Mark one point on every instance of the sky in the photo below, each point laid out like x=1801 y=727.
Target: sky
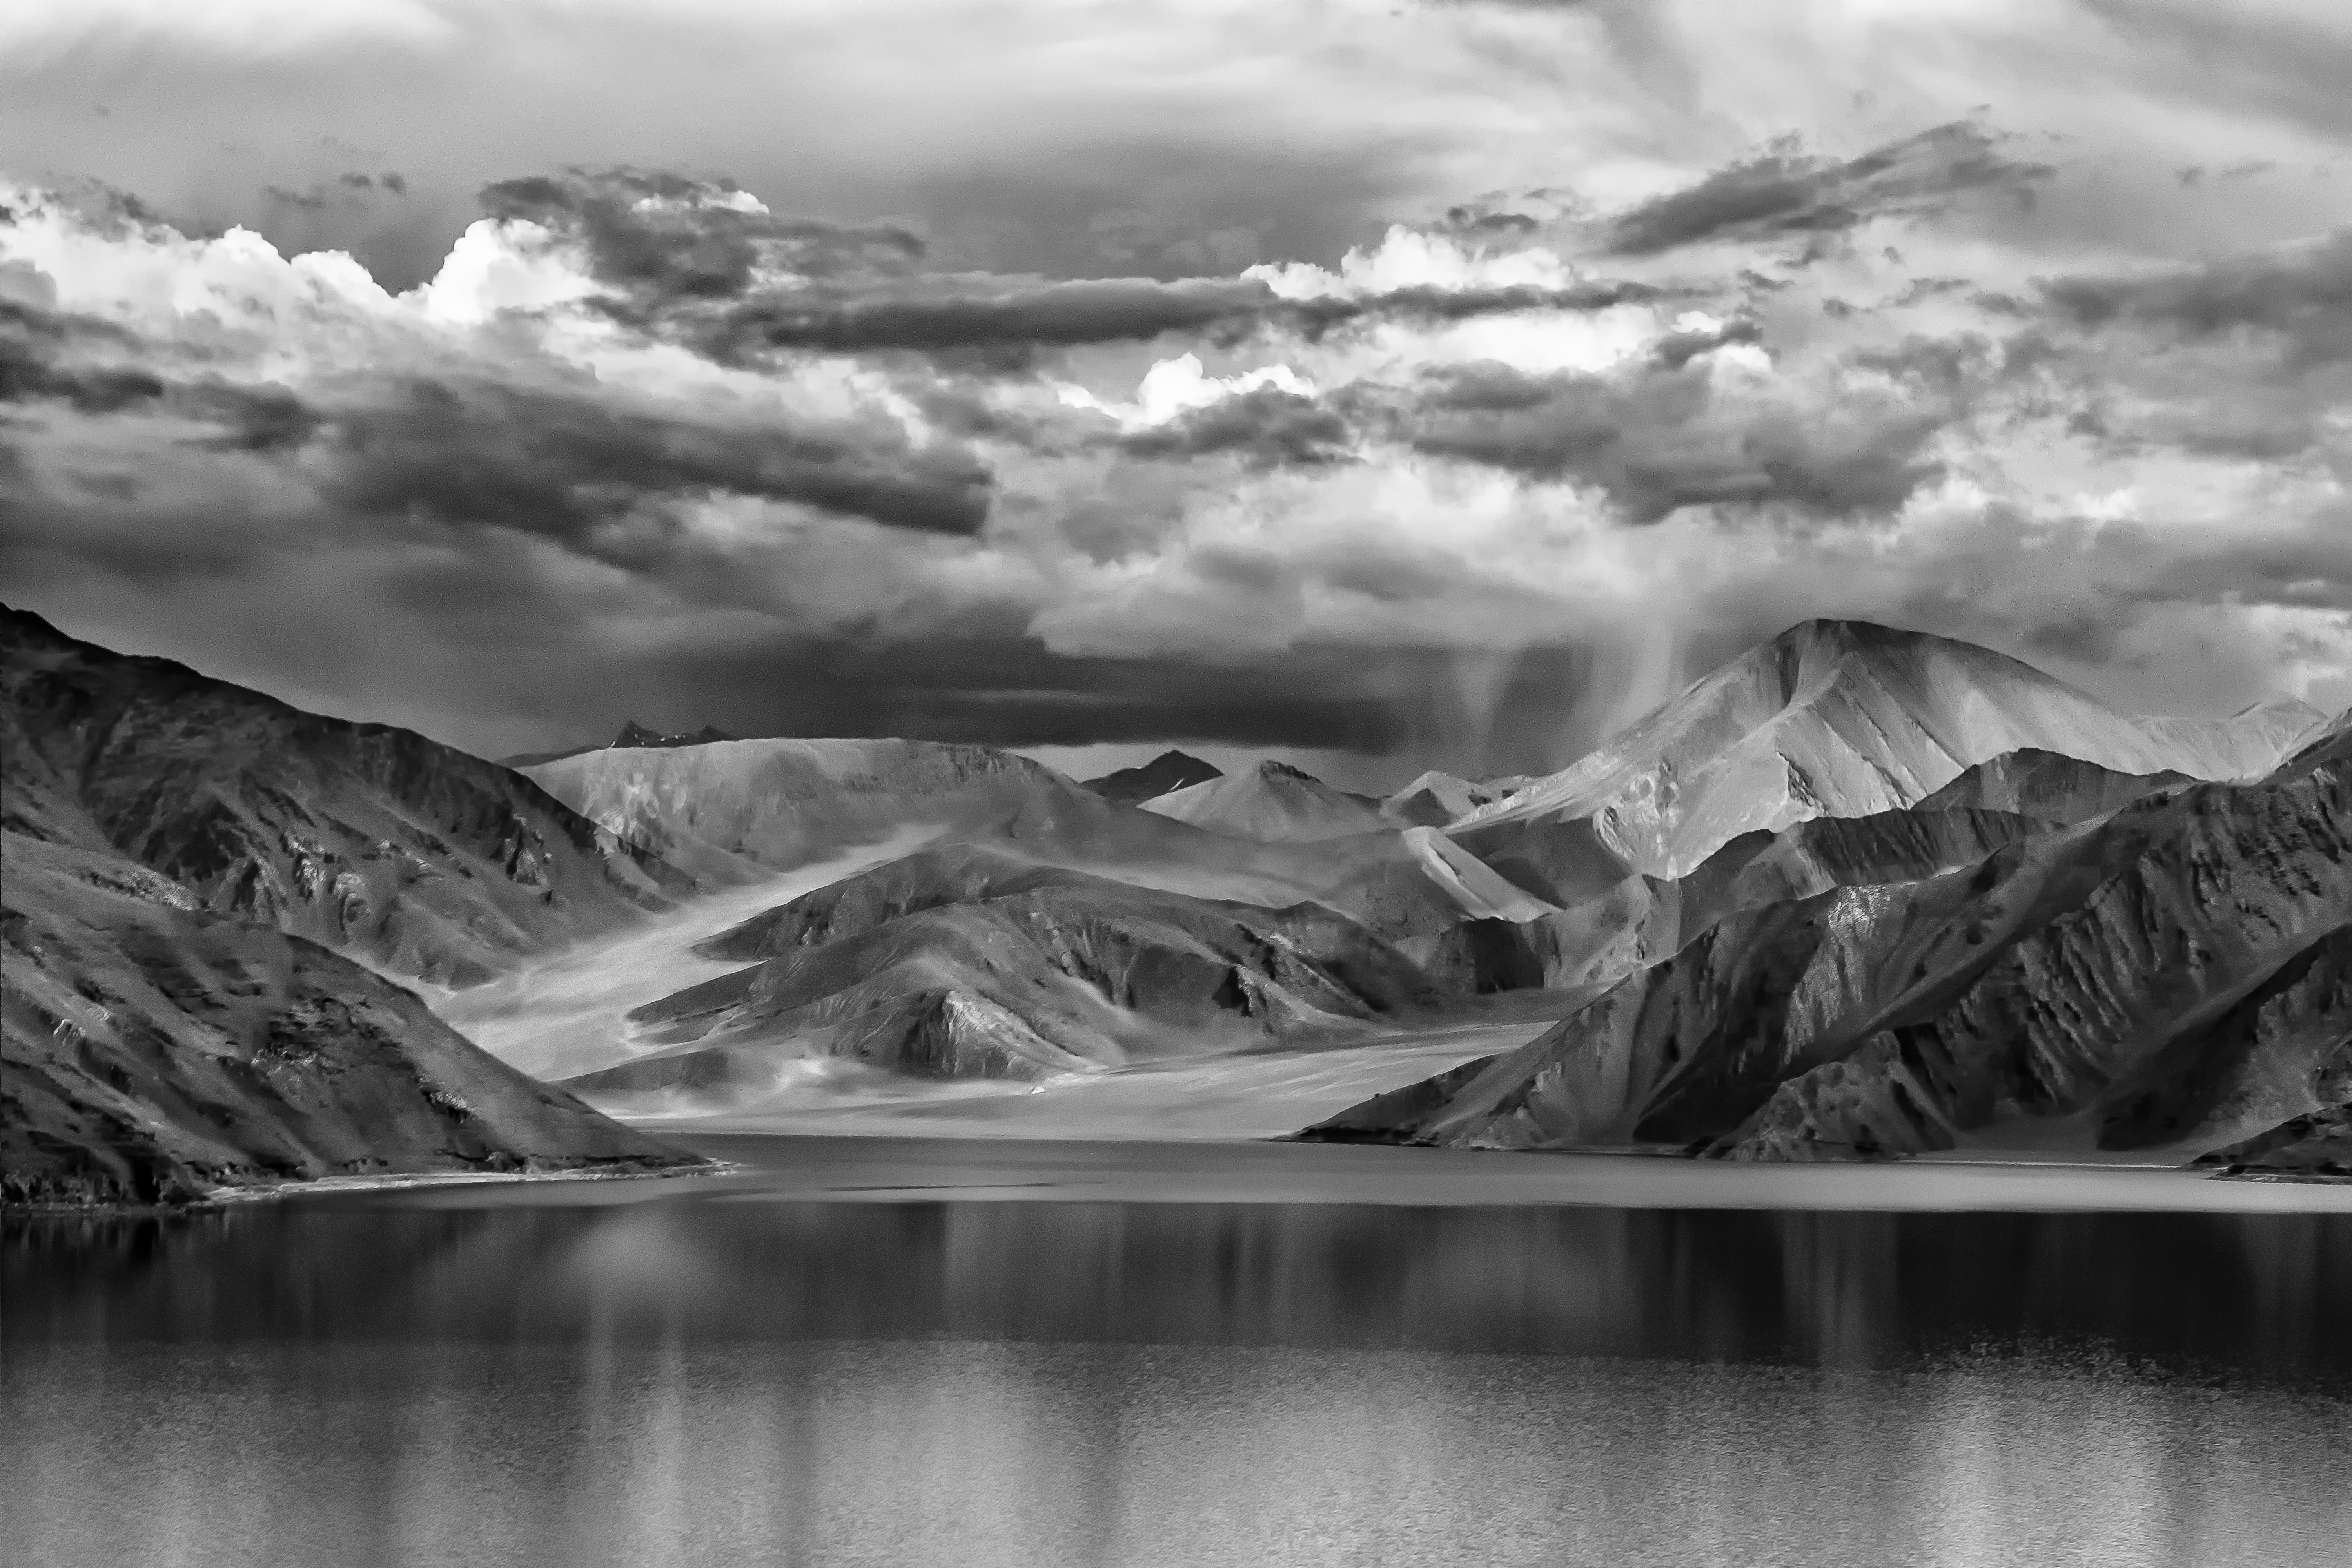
x=1381 y=385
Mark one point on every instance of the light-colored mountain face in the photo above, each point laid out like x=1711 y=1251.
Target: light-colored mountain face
x=1435 y=799
x=1846 y=719
x=778 y=803
x=1272 y=803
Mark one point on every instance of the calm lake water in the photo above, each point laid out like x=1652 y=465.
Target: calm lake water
x=694 y=1372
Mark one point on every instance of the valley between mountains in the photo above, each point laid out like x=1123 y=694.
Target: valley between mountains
x=1859 y=894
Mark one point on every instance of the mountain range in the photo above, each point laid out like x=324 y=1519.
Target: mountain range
x=1860 y=893
x=204 y=888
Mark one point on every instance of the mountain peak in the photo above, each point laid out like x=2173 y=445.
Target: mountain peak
x=1274 y=802
x=1170 y=770
x=1843 y=717
x=635 y=734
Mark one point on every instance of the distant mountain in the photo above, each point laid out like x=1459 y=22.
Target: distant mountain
x=781 y=803
x=1847 y=718
x=415 y=856
x=1272 y=803
x=632 y=734
x=154 y=1051
x=2046 y=786
x=2170 y=975
x=969 y=961
x=2316 y=1146
x=1436 y=799
x=1168 y=771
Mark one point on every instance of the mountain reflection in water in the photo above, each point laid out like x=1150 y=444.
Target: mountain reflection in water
x=700 y=1379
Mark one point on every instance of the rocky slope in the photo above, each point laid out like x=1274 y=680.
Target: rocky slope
x=632 y=734
x=967 y=961
x=2047 y=787
x=2156 y=978
x=1603 y=933
x=2313 y=1147
x=1168 y=771
x=418 y=858
x=1272 y=803
x=1847 y=718
x=1436 y=799
x=155 y=1049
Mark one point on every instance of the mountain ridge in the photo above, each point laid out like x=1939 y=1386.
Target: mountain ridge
x=1848 y=718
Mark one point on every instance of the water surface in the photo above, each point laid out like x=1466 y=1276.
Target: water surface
x=798 y=1364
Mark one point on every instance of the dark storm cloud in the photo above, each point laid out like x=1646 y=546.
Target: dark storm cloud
x=1004 y=688
x=1424 y=305
x=43 y=359
x=658 y=236
x=1661 y=439
x=1012 y=317
x=1092 y=311
x=2302 y=298
x=1266 y=428
x=567 y=466
x=1784 y=192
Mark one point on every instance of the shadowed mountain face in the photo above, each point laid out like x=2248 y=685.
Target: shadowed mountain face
x=2168 y=975
x=1846 y=719
x=415 y=856
x=964 y=961
x=2047 y=787
x=1601 y=936
x=1168 y=771
x=632 y=734
x=155 y=1051
x=2317 y=1146
x=1273 y=803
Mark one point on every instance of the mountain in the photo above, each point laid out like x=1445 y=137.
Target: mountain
x=1604 y=935
x=2167 y=977
x=635 y=734
x=1436 y=799
x=414 y=857
x=1845 y=719
x=154 y=1050
x=2317 y=1146
x=781 y=803
x=966 y=961
x=632 y=734
x=2046 y=786
x=1272 y=803
x=1168 y=771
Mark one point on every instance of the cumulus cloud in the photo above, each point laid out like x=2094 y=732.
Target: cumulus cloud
x=1520 y=430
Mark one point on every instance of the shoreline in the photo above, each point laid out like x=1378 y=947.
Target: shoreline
x=916 y=1166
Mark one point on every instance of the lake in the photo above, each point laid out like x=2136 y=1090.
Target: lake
x=926 y=1350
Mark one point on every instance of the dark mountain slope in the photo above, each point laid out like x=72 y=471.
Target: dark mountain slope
x=1601 y=936
x=2313 y=1147
x=154 y=1050
x=2156 y=974
x=2047 y=786
x=632 y=734
x=419 y=858
x=1168 y=771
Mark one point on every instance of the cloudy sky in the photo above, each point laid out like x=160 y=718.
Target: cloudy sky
x=1387 y=384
